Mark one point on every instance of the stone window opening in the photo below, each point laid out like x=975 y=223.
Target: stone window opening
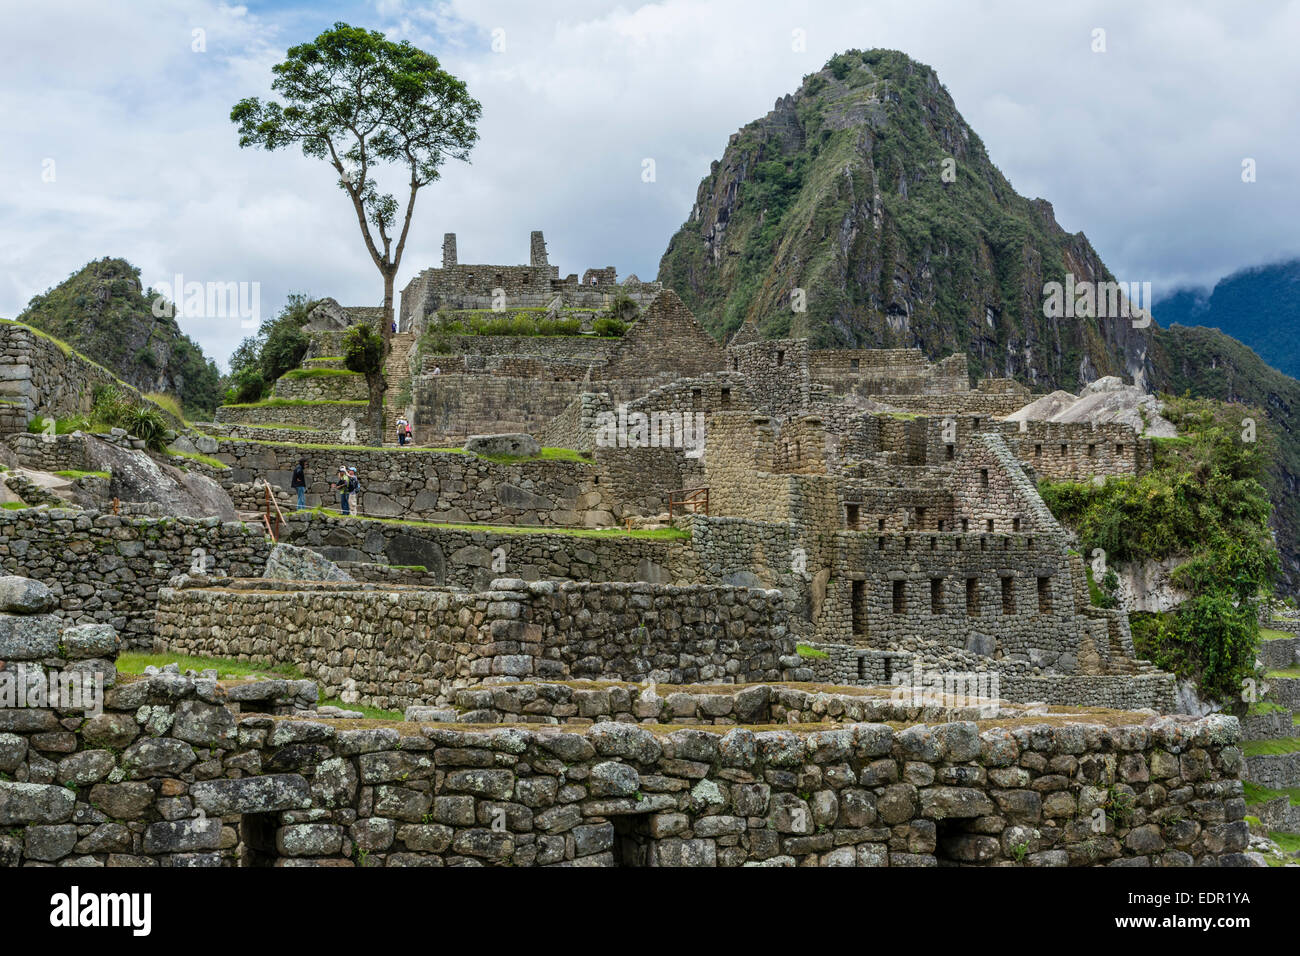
x=1006 y=544
x=1044 y=595
x=780 y=358
x=1029 y=544
x=975 y=422
x=880 y=544
x=900 y=597
x=498 y=279
x=880 y=525
x=697 y=399
x=1064 y=449
x=920 y=519
x=984 y=477
x=1092 y=451
x=973 y=597
x=735 y=364
x=936 y=595
x=934 y=544
x=957 y=541
x=632 y=842
x=940 y=524
x=851 y=516
x=1038 y=451
x=853 y=365
x=965 y=524
x=950 y=451
x=1008 y=595
x=907 y=543
x=469 y=280
x=988 y=525
x=1119 y=449
x=858 y=606
x=527 y=276
x=724 y=397
x=984 y=543
x=1015 y=524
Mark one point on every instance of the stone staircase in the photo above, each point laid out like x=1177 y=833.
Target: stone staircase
x=1270 y=731
x=397 y=373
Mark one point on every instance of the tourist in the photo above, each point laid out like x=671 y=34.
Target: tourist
x=299 y=481
x=401 y=431
x=410 y=435
x=354 y=487
x=341 y=485
x=437 y=370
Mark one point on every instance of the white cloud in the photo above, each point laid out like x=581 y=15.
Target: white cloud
x=1139 y=146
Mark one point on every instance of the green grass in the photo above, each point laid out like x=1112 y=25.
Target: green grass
x=1289 y=842
x=72 y=473
x=547 y=454
x=202 y=459
x=169 y=405
x=1285 y=672
x=15 y=506
x=134 y=662
x=326 y=358
x=318 y=373
x=1282 y=745
x=373 y=713
x=292 y=403
x=1255 y=794
x=1268 y=634
x=649 y=534
x=803 y=650
x=312 y=446
x=1260 y=708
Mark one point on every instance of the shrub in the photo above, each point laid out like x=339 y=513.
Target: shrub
x=363 y=350
x=608 y=326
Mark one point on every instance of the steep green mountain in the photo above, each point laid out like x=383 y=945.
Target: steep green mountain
x=1259 y=307
x=103 y=311
x=868 y=191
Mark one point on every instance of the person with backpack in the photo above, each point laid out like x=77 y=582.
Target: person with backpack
x=401 y=431
x=341 y=486
x=354 y=487
x=299 y=481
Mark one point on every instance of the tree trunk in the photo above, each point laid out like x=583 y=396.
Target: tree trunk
x=377 y=385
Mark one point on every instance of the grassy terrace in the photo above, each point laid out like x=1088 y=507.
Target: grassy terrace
x=649 y=534
x=1268 y=634
x=1279 y=745
x=318 y=373
x=547 y=454
x=294 y=402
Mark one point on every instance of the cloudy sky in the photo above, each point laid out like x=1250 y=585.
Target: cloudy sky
x=118 y=140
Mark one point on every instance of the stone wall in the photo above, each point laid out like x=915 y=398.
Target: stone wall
x=332 y=417
x=40 y=379
x=463 y=558
x=417 y=484
x=395 y=647
x=192 y=771
x=349 y=387
x=108 y=569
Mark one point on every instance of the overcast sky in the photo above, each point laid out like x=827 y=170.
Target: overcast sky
x=117 y=138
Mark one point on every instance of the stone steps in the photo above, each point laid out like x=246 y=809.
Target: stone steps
x=398 y=375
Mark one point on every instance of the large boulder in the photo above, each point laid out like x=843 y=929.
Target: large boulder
x=327 y=316
x=515 y=443
x=289 y=563
x=139 y=477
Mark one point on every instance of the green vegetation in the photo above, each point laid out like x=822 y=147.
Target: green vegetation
x=114 y=408
x=103 y=310
x=134 y=662
x=169 y=405
x=1203 y=500
x=1277 y=745
x=292 y=402
x=547 y=454
x=200 y=458
x=1255 y=794
x=296 y=373
x=74 y=474
x=1269 y=634
x=805 y=650
x=15 y=505
x=372 y=713
x=277 y=348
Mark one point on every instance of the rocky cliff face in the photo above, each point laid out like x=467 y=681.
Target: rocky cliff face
x=104 y=312
x=866 y=189
x=865 y=193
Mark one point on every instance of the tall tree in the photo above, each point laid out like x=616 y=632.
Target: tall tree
x=357 y=100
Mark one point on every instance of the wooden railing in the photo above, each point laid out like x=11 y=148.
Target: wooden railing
x=689 y=500
x=272 y=512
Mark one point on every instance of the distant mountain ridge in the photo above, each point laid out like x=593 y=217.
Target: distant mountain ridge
x=1259 y=307
x=103 y=311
